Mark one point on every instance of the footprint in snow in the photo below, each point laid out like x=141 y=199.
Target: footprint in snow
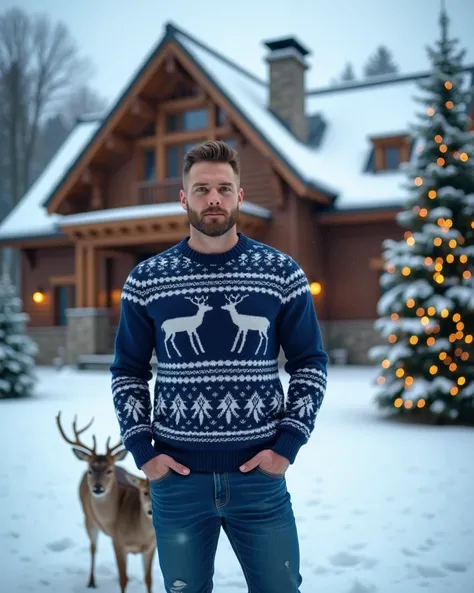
x=13 y=534
x=320 y=570
x=313 y=503
x=60 y=545
x=358 y=587
x=345 y=559
x=408 y=552
x=429 y=571
x=358 y=546
x=455 y=566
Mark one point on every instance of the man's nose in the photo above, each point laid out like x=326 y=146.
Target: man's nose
x=214 y=197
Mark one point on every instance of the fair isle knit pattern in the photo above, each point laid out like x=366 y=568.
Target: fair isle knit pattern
x=216 y=323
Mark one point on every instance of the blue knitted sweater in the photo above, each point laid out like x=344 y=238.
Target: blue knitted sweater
x=216 y=323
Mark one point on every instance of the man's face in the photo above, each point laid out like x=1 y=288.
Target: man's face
x=212 y=198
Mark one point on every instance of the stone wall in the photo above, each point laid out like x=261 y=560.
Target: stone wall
x=357 y=337
x=88 y=332
x=49 y=341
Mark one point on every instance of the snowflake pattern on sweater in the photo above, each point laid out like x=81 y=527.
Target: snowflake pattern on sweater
x=216 y=323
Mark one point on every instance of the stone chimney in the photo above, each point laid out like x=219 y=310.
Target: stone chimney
x=287 y=64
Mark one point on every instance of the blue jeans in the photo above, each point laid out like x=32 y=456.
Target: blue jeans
x=255 y=511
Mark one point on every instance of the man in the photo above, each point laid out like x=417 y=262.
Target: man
x=216 y=308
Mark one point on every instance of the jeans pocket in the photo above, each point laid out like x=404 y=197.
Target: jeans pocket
x=270 y=474
x=161 y=478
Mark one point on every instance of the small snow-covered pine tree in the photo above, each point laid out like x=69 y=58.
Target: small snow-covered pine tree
x=17 y=350
x=426 y=311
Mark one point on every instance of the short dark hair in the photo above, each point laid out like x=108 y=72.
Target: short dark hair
x=214 y=151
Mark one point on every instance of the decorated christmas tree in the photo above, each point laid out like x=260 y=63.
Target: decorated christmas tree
x=17 y=350
x=426 y=311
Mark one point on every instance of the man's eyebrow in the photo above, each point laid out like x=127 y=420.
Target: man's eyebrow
x=201 y=183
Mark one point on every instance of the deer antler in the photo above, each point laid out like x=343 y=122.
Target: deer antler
x=197 y=300
x=111 y=450
x=235 y=300
x=77 y=432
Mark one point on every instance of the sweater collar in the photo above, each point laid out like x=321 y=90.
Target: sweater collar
x=214 y=258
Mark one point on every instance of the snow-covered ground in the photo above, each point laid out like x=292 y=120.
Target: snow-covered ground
x=381 y=507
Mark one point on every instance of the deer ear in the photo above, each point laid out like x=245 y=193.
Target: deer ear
x=121 y=455
x=133 y=480
x=80 y=454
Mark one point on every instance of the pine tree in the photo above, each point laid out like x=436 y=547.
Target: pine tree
x=348 y=74
x=427 y=306
x=17 y=350
x=381 y=62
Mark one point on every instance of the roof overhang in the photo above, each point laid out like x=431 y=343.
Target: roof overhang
x=148 y=224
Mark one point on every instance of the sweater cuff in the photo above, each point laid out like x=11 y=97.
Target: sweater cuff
x=288 y=445
x=142 y=452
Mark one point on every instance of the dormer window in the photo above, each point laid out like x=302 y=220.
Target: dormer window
x=389 y=152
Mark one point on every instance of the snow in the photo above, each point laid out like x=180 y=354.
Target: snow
x=146 y=211
x=380 y=506
x=30 y=218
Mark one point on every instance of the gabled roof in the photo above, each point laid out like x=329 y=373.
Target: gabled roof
x=336 y=166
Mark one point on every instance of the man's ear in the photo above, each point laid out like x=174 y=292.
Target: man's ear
x=182 y=199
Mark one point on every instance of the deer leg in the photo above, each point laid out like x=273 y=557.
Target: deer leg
x=166 y=345
x=121 y=559
x=244 y=337
x=147 y=564
x=92 y=532
x=191 y=336
x=174 y=345
x=260 y=343
x=266 y=343
x=234 y=345
x=198 y=340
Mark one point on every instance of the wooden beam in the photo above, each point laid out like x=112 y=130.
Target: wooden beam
x=340 y=217
x=80 y=274
x=161 y=164
x=143 y=109
x=92 y=275
x=170 y=64
x=174 y=105
x=92 y=176
x=118 y=144
x=62 y=280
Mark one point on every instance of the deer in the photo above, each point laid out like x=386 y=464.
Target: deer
x=246 y=323
x=115 y=503
x=188 y=324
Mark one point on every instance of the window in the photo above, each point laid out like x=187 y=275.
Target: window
x=392 y=158
x=221 y=117
x=173 y=162
x=192 y=119
x=150 y=165
x=64 y=298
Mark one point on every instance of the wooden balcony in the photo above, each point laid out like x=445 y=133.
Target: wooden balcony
x=157 y=192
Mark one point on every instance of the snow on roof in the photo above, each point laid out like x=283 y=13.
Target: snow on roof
x=30 y=218
x=145 y=211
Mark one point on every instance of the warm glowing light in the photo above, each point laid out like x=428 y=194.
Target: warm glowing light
x=428 y=261
x=411 y=241
x=454 y=390
x=386 y=364
x=431 y=311
x=463 y=259
x=425 y=320
x=468 y=339
x=400 y=373
x=430 y=111
x=450 y=258
x=444 y=313
x=438 y=241
x=461 y=380
x=394 y=316
x=456 y=317
x=465 y=356
x=423 y=212
x=439 y=278
x=449 y=223
x=409 y=381
x=438 y=267
x=432 y=194
x=418 y=181
x=452 y=338
x=438 y=138
x=406 y=271
x=420 y=311
x=458 y=352
x=433 y=369
x=463 y=156
x=443 y=148
x=431 y=341
x=460 y=326
x=440 y=161
x=398 y=403
x=421 y=403
x=408 y=403
x=390 y=268
x=381 y=380
x=453 y=243
x=38 y=297
x=448 y=84
x=449 y=104
x=472 y=224
x=442 y=355
x=315 y=288
x=466 y=274
x=392 y=338
x=453 y=366
x=459 y=335
x=414 y=340
x=410 y=303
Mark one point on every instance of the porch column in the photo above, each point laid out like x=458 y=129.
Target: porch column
x=88 y=326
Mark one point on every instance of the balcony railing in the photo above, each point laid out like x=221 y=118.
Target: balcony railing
x=157 y=192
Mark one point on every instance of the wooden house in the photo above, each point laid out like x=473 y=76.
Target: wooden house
x=323 y=174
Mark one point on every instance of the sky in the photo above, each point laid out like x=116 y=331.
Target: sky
x=116 y=35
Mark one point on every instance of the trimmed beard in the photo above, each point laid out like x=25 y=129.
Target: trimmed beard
x=216 y=227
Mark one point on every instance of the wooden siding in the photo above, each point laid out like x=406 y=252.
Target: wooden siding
x=352 y=283
x=48 y=262
x=120 y=184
